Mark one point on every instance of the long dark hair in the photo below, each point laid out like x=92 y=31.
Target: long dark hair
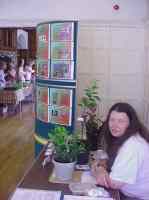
x=135 y=127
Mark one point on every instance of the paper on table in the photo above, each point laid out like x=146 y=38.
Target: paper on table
x=35 y=194
x=73 y=197
x=87 y=177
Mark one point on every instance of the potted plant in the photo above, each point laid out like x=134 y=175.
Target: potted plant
x=92 y=123
x=66 y=148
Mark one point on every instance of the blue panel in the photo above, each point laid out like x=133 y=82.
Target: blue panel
x=56 y=82
x=38 y=148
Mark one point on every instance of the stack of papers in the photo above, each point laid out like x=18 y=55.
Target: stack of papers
x=73 y=197
x=35 y=194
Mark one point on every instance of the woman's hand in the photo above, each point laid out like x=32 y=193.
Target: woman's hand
x=101 y=175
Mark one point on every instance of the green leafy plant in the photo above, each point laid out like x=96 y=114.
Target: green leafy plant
x=18 y=86
x=92 y=123
x=90 y=99
x=67 y=146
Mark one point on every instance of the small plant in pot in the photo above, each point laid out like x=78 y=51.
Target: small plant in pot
x=92 y=123
x=67 y=147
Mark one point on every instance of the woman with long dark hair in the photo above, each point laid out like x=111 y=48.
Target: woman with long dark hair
x=127 y=145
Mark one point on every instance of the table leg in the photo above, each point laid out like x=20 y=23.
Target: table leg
x=20 y=109
x=5 y=111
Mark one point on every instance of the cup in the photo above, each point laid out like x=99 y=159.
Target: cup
x=99 y=156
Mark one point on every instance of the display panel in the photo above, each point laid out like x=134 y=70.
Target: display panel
x=60 y=106
x=60 y=97
x=42 y=103
x=56 y=51
x=54 y=105
x=62 y=50
x=62 y=31
x=42 y=112
x=62 y=70
x=56 y=76
x=60 y=115
x=43 y=67
x=43 y=40
x=42 y=94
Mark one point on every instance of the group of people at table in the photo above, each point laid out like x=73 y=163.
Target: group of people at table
x=127 y=145
x=11 y=74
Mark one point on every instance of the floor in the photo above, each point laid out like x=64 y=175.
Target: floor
x=16 y=148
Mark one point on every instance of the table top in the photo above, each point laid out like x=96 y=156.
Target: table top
x=37 y=178
x=14 y=96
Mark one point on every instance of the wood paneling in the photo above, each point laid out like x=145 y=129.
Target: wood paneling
x=8 y=38
x=8 y=41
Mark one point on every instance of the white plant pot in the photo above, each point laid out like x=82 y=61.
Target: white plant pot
x=63 y=171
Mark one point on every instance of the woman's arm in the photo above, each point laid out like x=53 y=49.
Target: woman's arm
x=103 y=178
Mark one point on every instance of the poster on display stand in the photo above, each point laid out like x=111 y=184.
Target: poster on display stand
x=62 y=51
x=43 y=68
x=61 y=106
x=56 y=76
x=60 y=115
x=42 y=103
x=43 y=40
x=42 y=94
x=54 y=105
x=62 y=31
x=62 y=70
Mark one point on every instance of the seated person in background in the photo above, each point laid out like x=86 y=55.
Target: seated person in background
x=33 y=72
x=29 y=70
x=12 y=70
x=127 y=144
x=21 y=72
x=11 y=74
x=3 y=67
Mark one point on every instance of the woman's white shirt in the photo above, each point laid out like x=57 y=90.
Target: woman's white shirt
x=131 y=167
x=28 y=70
x=2 y=78
x=21 y=74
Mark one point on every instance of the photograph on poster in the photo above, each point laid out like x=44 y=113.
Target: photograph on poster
x=43 y=68
x=60 y=115
x=62 y=50
x=61 y=106
x=62 y=70
x=42 y=94
x=62 y=31
x=61 y=97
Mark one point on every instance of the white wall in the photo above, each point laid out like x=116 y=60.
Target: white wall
x=146 y=77
x=30 y=12
x=114 y=55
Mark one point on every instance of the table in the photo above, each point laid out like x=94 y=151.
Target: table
x=37 y=178
x=15 y=97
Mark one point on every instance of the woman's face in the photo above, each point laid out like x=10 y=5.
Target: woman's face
x=118 y=123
